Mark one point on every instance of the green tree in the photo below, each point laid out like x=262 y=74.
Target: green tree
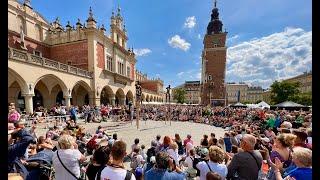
x=179 y=95
x=303 y=98
x=283 y=91
x=259 y=101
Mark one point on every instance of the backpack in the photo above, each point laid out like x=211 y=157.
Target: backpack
x=128 y=174
x=194 y=164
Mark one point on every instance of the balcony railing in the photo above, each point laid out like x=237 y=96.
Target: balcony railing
x=48 y=63
x=149 y=91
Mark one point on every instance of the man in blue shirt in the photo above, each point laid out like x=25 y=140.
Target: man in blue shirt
x=161 y=170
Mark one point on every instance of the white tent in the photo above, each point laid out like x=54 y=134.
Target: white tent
x=252 y=105
x=263 y=104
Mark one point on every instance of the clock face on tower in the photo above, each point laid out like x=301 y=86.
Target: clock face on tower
x=217 y=41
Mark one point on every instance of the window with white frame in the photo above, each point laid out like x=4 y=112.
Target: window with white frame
x=109 y=63
x=121 y=68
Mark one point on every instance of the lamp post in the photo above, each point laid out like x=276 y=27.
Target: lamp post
x=138 y=100
x=168 y=93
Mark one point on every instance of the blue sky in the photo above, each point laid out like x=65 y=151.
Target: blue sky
x=267 y=40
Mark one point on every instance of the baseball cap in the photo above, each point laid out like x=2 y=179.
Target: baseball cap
x=204 y=151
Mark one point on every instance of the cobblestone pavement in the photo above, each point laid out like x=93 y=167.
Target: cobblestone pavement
x=148 y=130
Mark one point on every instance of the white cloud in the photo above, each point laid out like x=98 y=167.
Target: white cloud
x=199 y=36
x=180 y=74
x=260 y=61
x=190 y=22
x=233 y=38
x=177 y=42
x=142 y=52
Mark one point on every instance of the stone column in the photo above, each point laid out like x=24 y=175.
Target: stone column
x=67 y=101
x=96 y=102
x=28 y=103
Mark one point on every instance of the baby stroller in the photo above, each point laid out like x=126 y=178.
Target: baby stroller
x=40 y=166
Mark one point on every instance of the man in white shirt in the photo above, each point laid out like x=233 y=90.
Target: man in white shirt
x=116 y=169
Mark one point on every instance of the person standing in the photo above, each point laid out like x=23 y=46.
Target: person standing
x=246 y=164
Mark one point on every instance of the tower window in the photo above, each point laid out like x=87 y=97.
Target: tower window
x=209 y=77
x=215 y=45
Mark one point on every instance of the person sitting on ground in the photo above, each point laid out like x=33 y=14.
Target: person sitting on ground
x=152 y=150
x=113 y=139
x=233 y=139
x=136 y=159
x=309 y=138
x=116 y=169
x=216 y=157
x=204 y=142
x=188 y=140
x=100 y=159
x=135 y=145
x=143 y=153
x=248 y=163
x=178 y=140
x=173 y=152
x=44 y=143
x=161 y=169
x=212 y=136
x=188 y=162
x=166 y=143
x=158 y=137
x=227 y=142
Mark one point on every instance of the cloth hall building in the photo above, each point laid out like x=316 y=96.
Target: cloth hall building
x=49 y=63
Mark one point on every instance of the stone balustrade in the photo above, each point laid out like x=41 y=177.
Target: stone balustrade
x=15 y=54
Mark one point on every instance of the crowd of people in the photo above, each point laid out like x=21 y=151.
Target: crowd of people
x=257 y=144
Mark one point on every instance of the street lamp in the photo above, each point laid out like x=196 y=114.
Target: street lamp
x=168 y=93
x=138 y=100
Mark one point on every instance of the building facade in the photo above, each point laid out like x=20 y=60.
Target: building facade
x=237 y=92
x=254 y=94
x=192 y=89
x=73 y=64
x=152 y=88
x=266 y=96
x=305 y=81
x=213 y=89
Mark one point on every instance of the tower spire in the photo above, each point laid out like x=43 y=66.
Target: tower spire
x=215 y=3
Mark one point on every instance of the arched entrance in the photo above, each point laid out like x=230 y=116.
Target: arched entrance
x=120 y=97
x=37 y=99
x=129 y=97
x=106 y=95
x=49 y=91
x=80 y=94
x=17 y=87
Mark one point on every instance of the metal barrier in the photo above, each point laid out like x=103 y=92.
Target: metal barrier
x=47 y=119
